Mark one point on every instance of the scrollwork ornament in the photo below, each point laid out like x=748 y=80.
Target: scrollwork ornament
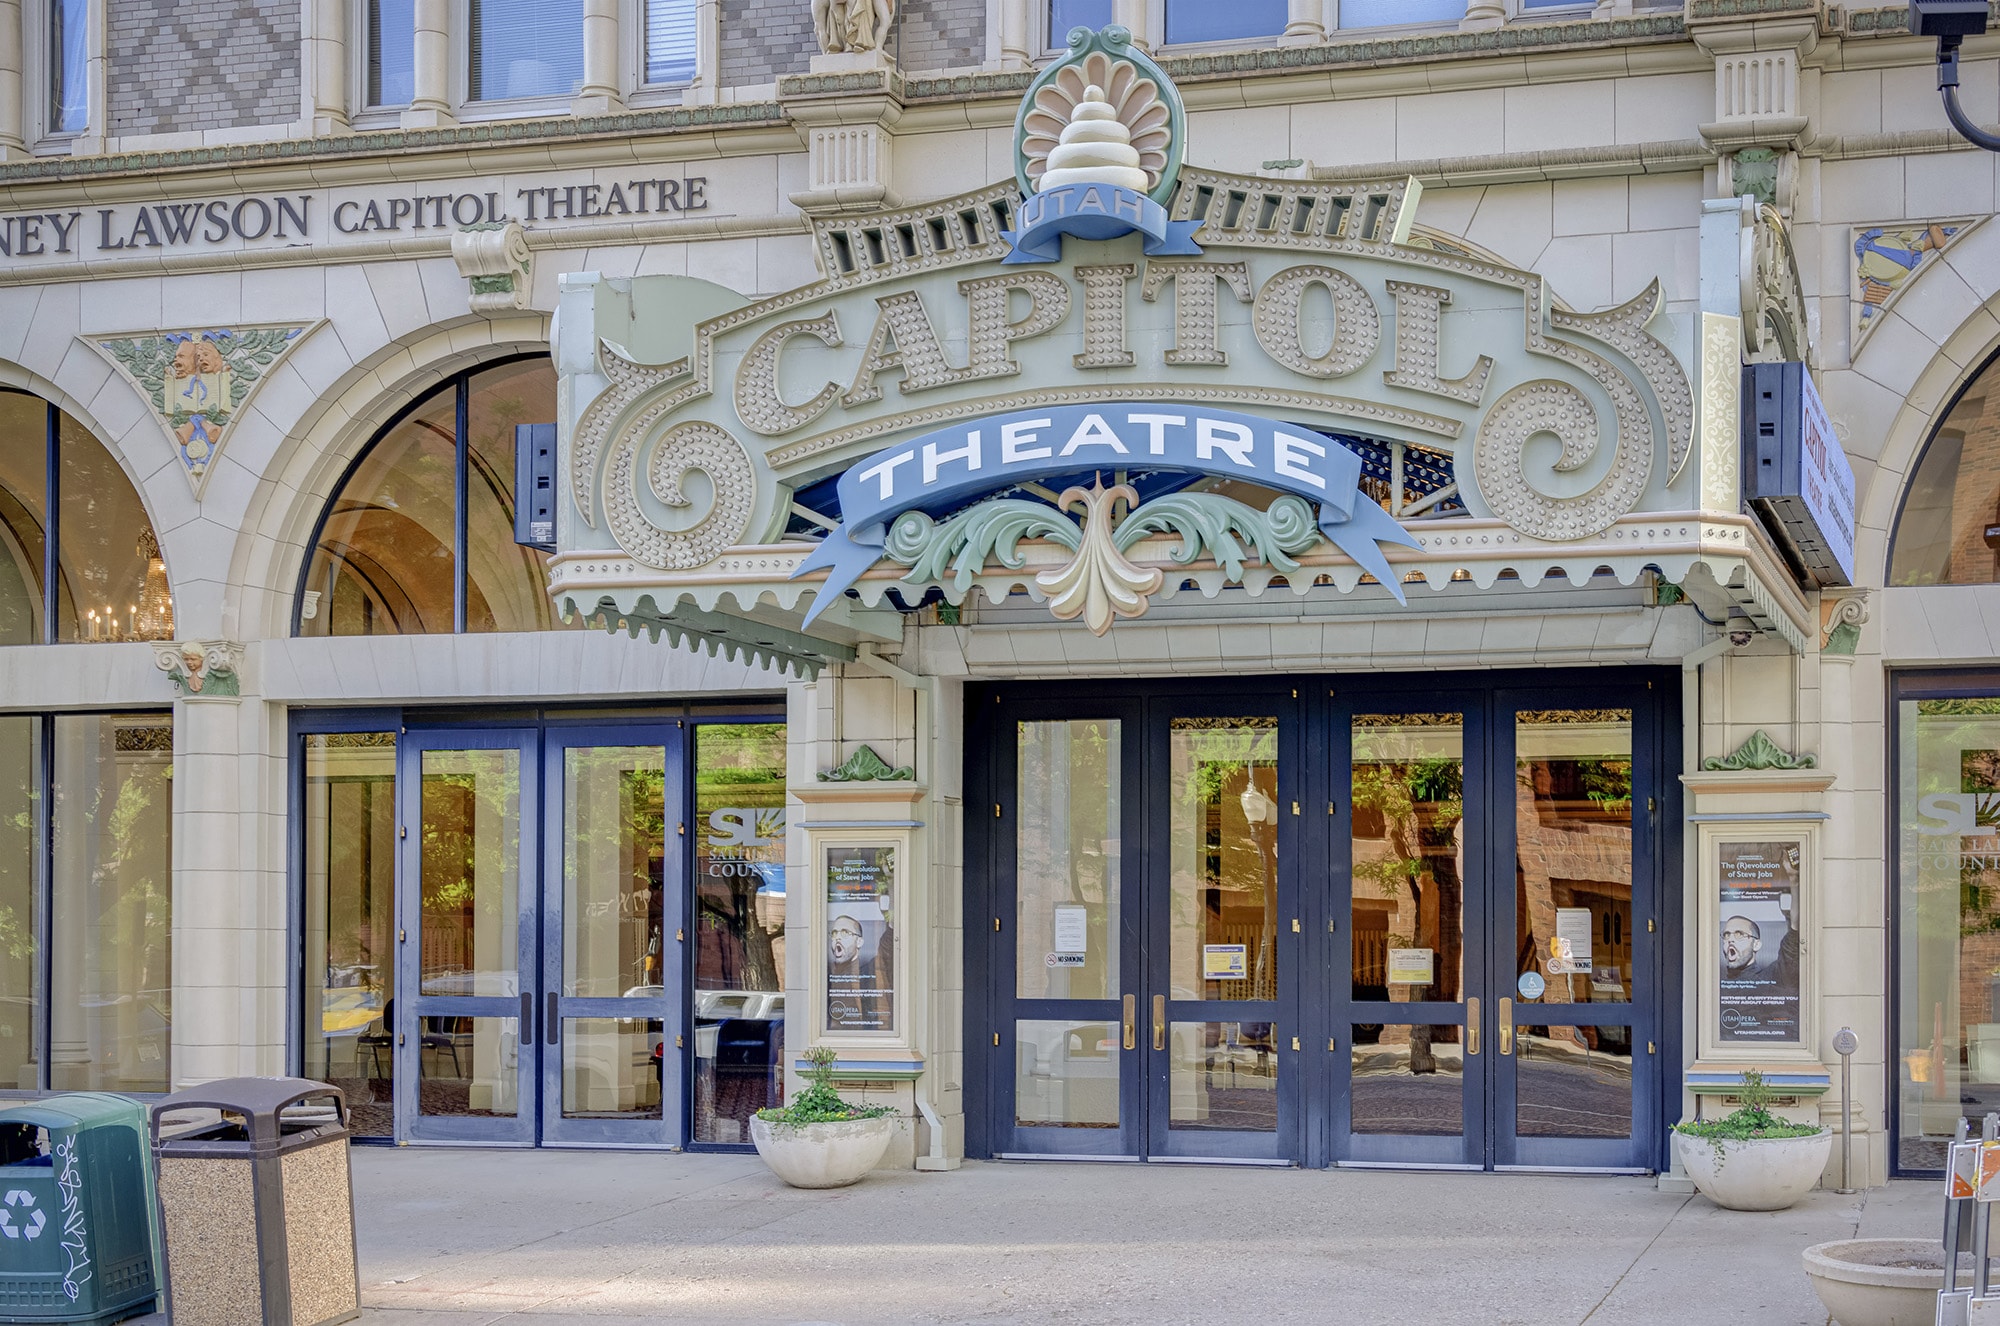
x=679 y=451
x=1557 y=408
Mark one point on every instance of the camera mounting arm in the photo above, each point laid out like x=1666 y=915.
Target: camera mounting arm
x=1947 y=59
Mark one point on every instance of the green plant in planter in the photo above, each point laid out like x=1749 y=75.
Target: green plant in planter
x=1752 y=1121
x=819 y=1102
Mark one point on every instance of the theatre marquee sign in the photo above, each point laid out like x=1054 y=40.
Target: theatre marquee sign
x=1077 y=381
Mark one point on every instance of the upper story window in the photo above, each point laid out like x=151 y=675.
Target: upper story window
x=419 y=537
x=392 y=52
x=1949 y=531
x=1398 y=13
x=524 y=48
x=69 y=66
x=79 y=561
x=670 y=41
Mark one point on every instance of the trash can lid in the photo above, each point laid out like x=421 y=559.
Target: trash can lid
x=77 y=1109
x=259 y=1099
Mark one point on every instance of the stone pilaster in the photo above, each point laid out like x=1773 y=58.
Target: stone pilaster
x=599 y=94
x=430 y=104
x=13 y=136
x=325 y=66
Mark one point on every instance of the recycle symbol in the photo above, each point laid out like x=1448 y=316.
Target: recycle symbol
x=36 y=1219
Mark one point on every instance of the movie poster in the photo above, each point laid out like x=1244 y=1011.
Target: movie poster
x=1760 y=942
x=861 y=938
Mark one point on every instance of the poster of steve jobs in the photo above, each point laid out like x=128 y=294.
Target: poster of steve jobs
x=861 y=938
x=1760 y=942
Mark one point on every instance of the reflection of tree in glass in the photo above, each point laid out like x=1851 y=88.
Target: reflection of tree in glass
x=738 y=766
x=1420 y=803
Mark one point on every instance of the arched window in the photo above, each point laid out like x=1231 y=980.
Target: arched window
x=419 y=537
x=1949 y=529
x=79 y=560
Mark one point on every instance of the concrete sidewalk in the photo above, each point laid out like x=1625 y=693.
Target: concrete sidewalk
x=463 y=1236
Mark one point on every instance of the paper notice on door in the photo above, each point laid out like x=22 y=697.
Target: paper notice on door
x=1412 y=966
x=1225 y=962
x=1571 y=954
x=1072 y=929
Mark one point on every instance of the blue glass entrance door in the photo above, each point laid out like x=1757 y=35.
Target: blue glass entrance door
x=1576 y=950
x=1408 y=1047
x=612 y=936
x=1223 y=929
x=464 y=1016
x=1067 y=1055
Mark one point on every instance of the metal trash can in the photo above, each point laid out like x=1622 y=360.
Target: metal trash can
x=258 y=1209
x=76 y=1210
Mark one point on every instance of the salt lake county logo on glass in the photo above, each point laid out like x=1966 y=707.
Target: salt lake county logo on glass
x=1097 y=150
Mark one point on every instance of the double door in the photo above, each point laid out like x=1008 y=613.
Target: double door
x=1323 y=924
x=540 y=894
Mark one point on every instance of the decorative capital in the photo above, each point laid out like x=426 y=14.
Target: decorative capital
x=197 y=381
x=494 y=257
x=1840 y=619
x=202 y=669
x=1759 y=752
x=865 y=766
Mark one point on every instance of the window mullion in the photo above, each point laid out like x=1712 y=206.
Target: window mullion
x=45 y=901
x=458 y=520
x=51 y=522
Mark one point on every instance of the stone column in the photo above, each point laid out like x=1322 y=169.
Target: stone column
x=13 y=110
x=1304 y=23
x=229 y=912
x=599 y=94
x=1134 y=15
x=1015 y=25
x=430 y=104
x=1480 y=14
x=325 y=66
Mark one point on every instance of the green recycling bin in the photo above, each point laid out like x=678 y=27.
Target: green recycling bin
x=76 y=1210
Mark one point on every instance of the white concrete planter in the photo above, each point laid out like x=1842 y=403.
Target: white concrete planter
x=1880 y=1282
x=1762 y=1174
x=822 y=1155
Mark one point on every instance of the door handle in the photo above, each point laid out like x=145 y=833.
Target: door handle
x=1159 y=1022
x=549 y=1020
x=1472 y=1026
x=1131 y=1018
x=528 y=1019
x=1506 y=1025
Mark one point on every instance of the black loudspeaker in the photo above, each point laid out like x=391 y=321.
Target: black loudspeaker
x=535 y=486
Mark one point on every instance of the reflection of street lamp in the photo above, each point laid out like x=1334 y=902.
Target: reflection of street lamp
x=1260 y=810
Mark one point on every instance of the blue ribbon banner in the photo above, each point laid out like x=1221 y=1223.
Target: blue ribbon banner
x=1094 y=211
x=952 y=466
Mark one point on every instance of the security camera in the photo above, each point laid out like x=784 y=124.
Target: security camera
x=1948 y=18
x=1951 y=22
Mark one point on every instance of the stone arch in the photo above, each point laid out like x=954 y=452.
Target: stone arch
x=1933 y=339
x=107 y=406
x=300 y=478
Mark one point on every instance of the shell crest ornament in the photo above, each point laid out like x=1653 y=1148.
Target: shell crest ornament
x=1098 y=151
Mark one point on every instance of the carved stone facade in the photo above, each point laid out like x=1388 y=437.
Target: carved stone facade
x=1504 y=262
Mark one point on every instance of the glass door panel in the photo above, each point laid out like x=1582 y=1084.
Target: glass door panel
x=349 y=806
x=1073 y=1030
x=1568 y=1094
x=1217 y=1011
x=464 y=1050
x=739 y=927
x=1415 y=1094
x=610 y=960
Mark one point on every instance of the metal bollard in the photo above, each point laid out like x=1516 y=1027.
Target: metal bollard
x=1845 y=1042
